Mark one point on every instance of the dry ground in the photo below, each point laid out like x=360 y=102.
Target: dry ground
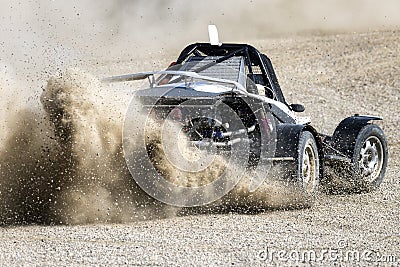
x=334 y=76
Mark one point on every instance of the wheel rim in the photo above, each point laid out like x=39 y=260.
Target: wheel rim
x=370 y=160
x=309 y=167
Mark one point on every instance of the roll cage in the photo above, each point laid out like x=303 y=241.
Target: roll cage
x=258 y=66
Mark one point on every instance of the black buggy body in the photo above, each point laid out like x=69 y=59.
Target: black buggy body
x=240 y=78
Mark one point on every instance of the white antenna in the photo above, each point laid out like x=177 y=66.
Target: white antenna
x=213 y=34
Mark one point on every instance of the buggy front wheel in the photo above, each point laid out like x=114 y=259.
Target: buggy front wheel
x=370 y=158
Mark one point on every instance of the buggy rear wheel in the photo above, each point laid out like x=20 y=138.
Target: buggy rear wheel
x=308 y=163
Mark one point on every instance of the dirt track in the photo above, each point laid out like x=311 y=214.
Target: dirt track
x=334 y=76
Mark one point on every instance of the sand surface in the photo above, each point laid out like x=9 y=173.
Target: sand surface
x=334 y=76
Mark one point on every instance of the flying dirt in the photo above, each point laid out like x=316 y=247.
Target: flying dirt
x=61 y=156
x=340 y=222
x=67 y=165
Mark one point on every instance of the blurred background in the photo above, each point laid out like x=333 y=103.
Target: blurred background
x=57 y=32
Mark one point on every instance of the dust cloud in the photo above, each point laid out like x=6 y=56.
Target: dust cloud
x=60 y=130
x=68 y=166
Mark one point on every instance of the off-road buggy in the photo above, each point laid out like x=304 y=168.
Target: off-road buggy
x=229 y=81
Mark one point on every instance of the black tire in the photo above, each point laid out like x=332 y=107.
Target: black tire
x=370 y=158
x=308 y=163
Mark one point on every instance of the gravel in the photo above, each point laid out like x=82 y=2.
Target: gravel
x=334 y=76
